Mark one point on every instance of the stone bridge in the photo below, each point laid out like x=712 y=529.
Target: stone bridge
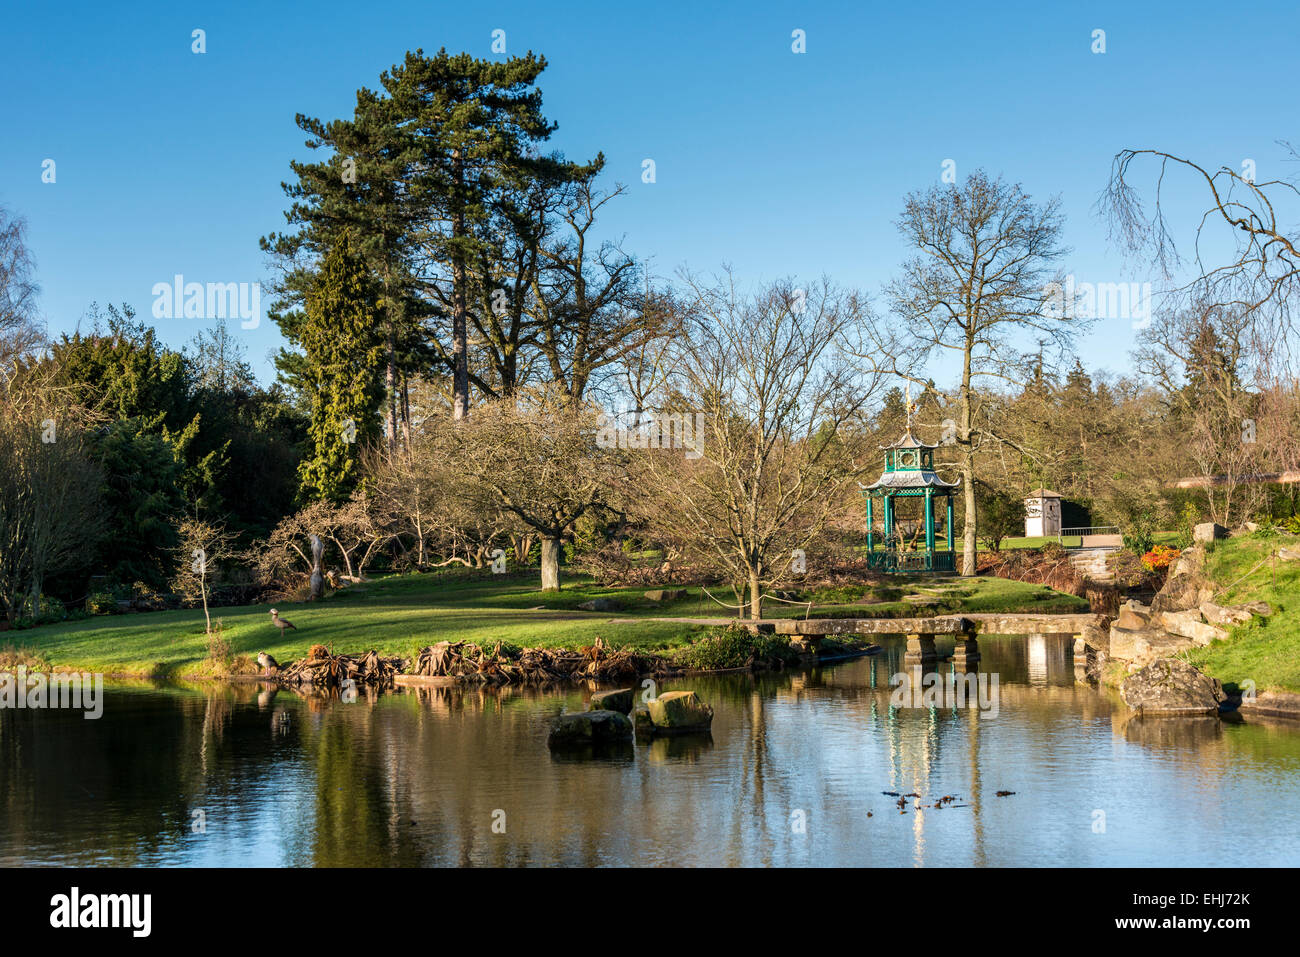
x=921 y=632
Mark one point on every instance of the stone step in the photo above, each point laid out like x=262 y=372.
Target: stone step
x=1092 y=562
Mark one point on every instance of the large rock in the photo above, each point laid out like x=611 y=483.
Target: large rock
x=1225 y=615
x=1188 y=624
x=677 y=711
x=620 y=701
x=1208 y=532
x=1288 y=554
x=666 y=594
x=1154 y=643
x=1127 y=643
x=1133 y=615
x=1171 y=687
x=589 y=727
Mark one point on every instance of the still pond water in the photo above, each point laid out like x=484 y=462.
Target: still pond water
x=792 y=774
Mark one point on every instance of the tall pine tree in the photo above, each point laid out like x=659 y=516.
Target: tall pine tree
x=471 y=125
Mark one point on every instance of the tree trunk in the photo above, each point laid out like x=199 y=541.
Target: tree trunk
x=970 y=526
x=459 y=312
x=967 y=442
x=406 y=411
x=755 y=595
x=37 y=584
x=551 y=563
x=390 y=385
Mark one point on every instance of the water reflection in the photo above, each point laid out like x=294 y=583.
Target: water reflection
x=455 y=776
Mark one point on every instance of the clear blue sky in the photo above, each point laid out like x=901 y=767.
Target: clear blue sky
x=777 y=163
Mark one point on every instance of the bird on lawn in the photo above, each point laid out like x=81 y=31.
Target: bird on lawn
x=269 y=666
x=281 y=623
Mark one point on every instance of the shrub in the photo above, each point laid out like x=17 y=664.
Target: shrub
x=735 y=646
x=1189 y=517
x=102 y=603
x=1139 y=542
x=218 y=648
x=1159 y=557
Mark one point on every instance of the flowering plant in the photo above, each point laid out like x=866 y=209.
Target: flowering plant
x=1160 y=556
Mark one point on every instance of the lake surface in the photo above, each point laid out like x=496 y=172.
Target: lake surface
x=792 y=774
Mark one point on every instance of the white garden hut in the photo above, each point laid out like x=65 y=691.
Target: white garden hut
x=1042 y=513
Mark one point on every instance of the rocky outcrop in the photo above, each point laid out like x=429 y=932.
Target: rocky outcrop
x=1227 y=616
x=1188 y=624
x=620 y=701
x=1141 y=634
x=666 y=594
x=584 y=728
x=1187 y=585
x=1169 y=686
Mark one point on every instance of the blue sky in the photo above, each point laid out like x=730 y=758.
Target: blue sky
x=778 y=163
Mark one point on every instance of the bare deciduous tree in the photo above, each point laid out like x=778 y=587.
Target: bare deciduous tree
x=767 y=375
x=979 y=290
x=201 y=549
x=1259 y=279
x=20 y=331
x=538 y=455
x=50 y=519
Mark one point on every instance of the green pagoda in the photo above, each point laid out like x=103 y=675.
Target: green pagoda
x=909 y=474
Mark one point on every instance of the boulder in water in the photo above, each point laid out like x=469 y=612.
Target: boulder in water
x=679 y=711
x=1170 y=686
x=620 y=701
x=582 y=728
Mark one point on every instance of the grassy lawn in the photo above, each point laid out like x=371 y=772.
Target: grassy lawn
x=1264 y=651
x=400 y=614
x=395 y=615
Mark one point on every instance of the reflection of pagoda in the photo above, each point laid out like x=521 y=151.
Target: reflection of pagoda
x=909 y=473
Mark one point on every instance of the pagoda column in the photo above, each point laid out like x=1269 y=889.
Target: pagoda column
x=951 y=546
x=870 y=526
x=929 y=524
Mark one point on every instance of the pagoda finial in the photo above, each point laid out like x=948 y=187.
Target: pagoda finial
x=909 y=406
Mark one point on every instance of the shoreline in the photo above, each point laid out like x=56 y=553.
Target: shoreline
x=403 y=679
x=1267 y=705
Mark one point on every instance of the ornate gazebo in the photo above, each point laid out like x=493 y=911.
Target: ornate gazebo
x=909 y=474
